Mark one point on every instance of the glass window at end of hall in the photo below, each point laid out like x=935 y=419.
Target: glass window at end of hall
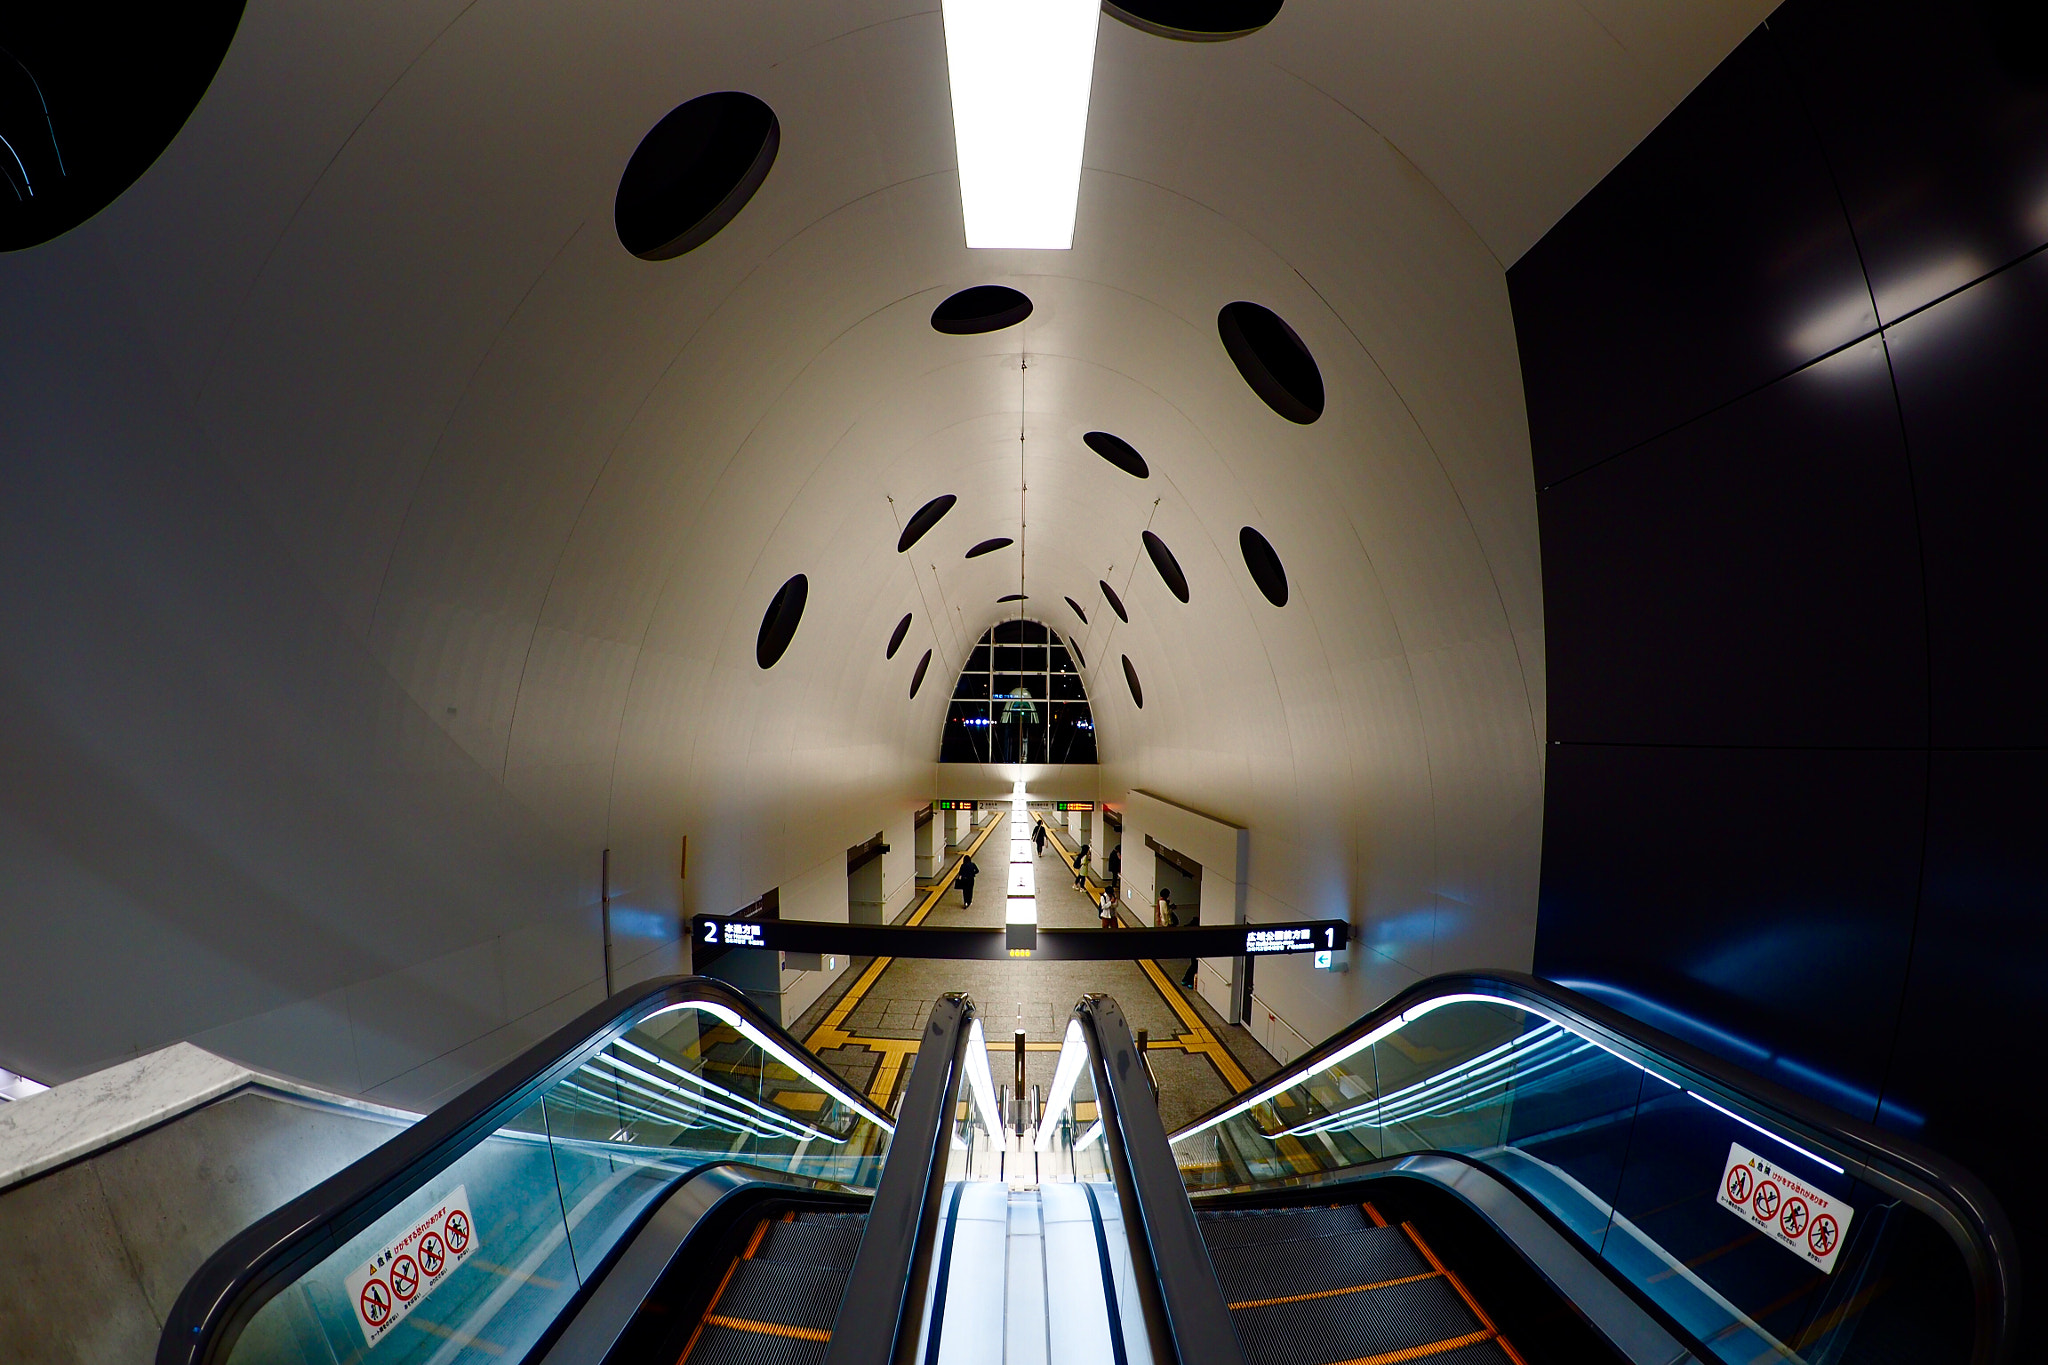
x=1020 y=699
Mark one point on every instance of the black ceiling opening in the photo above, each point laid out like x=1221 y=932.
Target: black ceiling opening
x=896 y=636
x=779 y=622
x=1131 y=679
x=1118 y=452
x=984 y=308
x=89 y=98
x=1195 y=21
x=693 y=173
x=923 y=520
x=1074 y=647
x=1272 y=360
x=1264 y=563
x=917 y=678
x=1013 y=597
x=1169 y=567
x=1116 y=604
x=1077 y=610
x=989 y=547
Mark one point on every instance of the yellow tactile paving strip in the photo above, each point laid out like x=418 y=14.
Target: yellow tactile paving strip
x=1196 y=1037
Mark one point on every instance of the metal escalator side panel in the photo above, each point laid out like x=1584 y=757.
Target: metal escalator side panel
x=1186 y=1317
x=882 y=1314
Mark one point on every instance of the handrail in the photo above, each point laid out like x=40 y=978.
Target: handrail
x=891 y=1269
x=263 y=1259
x=1185 y=1314
x=1936 y=1186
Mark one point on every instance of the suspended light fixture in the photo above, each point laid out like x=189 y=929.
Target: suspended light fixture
x=1020 y=74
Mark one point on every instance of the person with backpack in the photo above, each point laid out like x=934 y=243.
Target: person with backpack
x=1081 y=866
x=968 y=872
x=1038 y=838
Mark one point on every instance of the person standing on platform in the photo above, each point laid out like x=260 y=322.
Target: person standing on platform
x=1081 y=865
x=1162 y=913
x=1105 y=909
x=968 y=872
x=1116 y=866
x=1038 y=838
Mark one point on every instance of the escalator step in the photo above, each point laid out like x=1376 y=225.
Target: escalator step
x=856 y=1221
x=1229 y=1228
x=831 y=1245
x=1349 y=1327
x=717 y=1345
x=1316 y=1265
x=782 y=1294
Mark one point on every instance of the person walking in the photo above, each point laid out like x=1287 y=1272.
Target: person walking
x=1105 y=909
x=1081 y=865
x=1116 y=866
x=968 y=872
x=1162 y=913
x=1038 y=838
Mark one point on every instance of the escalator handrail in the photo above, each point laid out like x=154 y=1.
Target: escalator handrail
x=263 y=1259
x=1185 y=1313
x=1935 y=1185
x=882 y=1312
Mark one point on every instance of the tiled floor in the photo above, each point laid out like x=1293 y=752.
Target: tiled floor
x=1036 y=996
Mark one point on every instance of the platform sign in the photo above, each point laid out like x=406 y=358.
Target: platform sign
x=1790 y=1212
x=398 y=1279
x=1073 y=805
x=733 y=933
x=953 y=805
x=1295 y=938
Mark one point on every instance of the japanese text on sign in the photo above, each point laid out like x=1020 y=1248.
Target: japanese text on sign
x=1791 y=1212
x=1300 y=938
x=733 y=933
x=399 y=1277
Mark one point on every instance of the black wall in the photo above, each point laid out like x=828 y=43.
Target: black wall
x=1787 y=377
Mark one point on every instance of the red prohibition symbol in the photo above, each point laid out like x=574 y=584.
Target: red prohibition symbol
x=1765 y=1201
x=1739 y=1185
x=376 y=1301
x=432 y=1254
x=1793 y=1221
x=1824 y=1234
x=405 y=1278
x=457 y=1228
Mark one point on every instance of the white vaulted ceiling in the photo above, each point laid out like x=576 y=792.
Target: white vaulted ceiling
x=489 y=509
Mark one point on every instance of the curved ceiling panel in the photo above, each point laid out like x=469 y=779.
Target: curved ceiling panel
x=542 y=492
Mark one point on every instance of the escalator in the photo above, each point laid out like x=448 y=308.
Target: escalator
x=1489 y=1169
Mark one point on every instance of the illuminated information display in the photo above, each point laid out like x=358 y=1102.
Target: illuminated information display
x=1072 y=945
x=1073 y=805
x=953 y=805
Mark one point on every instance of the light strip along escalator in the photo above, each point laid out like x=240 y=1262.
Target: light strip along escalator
x=566 y=1206
x=1492 y=1159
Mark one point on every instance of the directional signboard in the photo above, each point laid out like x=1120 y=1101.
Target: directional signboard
x=1072 y=945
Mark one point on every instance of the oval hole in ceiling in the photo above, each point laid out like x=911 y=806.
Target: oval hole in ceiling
x=1075 y=646
x=1116 y=604
x=1131 y=678
x=1264 y=564
x=1195 y=21
x=1013 y=597
x=989 y=547
x=923 y=520
x=1118 y=452
x=896 y=636
x=1077 y=610
x=984 y=308
x=1272 y=360
x=917 y=678
x=86 y=106
x=779 y=622
x=693 y=173
x=1169 y=567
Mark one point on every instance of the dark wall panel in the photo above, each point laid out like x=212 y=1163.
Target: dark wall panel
x=1973 y=388
x=1757 y=901
x=1751 y=578
x=1935 y=120
x=1713 y=260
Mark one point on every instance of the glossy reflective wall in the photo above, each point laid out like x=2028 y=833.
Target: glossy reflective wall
x=1787 y=376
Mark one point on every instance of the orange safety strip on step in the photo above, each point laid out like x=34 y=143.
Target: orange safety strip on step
x=1418 y=1352
x=760 y=1231
x=1333 y=1293
x=768 y=1329
x=1374 y=1214
x=789 y=1216
x=1463 y=1293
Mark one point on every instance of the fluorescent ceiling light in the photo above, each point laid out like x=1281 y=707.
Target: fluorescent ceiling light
x=1020 y=74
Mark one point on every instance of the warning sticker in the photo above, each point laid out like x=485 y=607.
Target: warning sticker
x=398 y=1278
x=1794 y=1214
